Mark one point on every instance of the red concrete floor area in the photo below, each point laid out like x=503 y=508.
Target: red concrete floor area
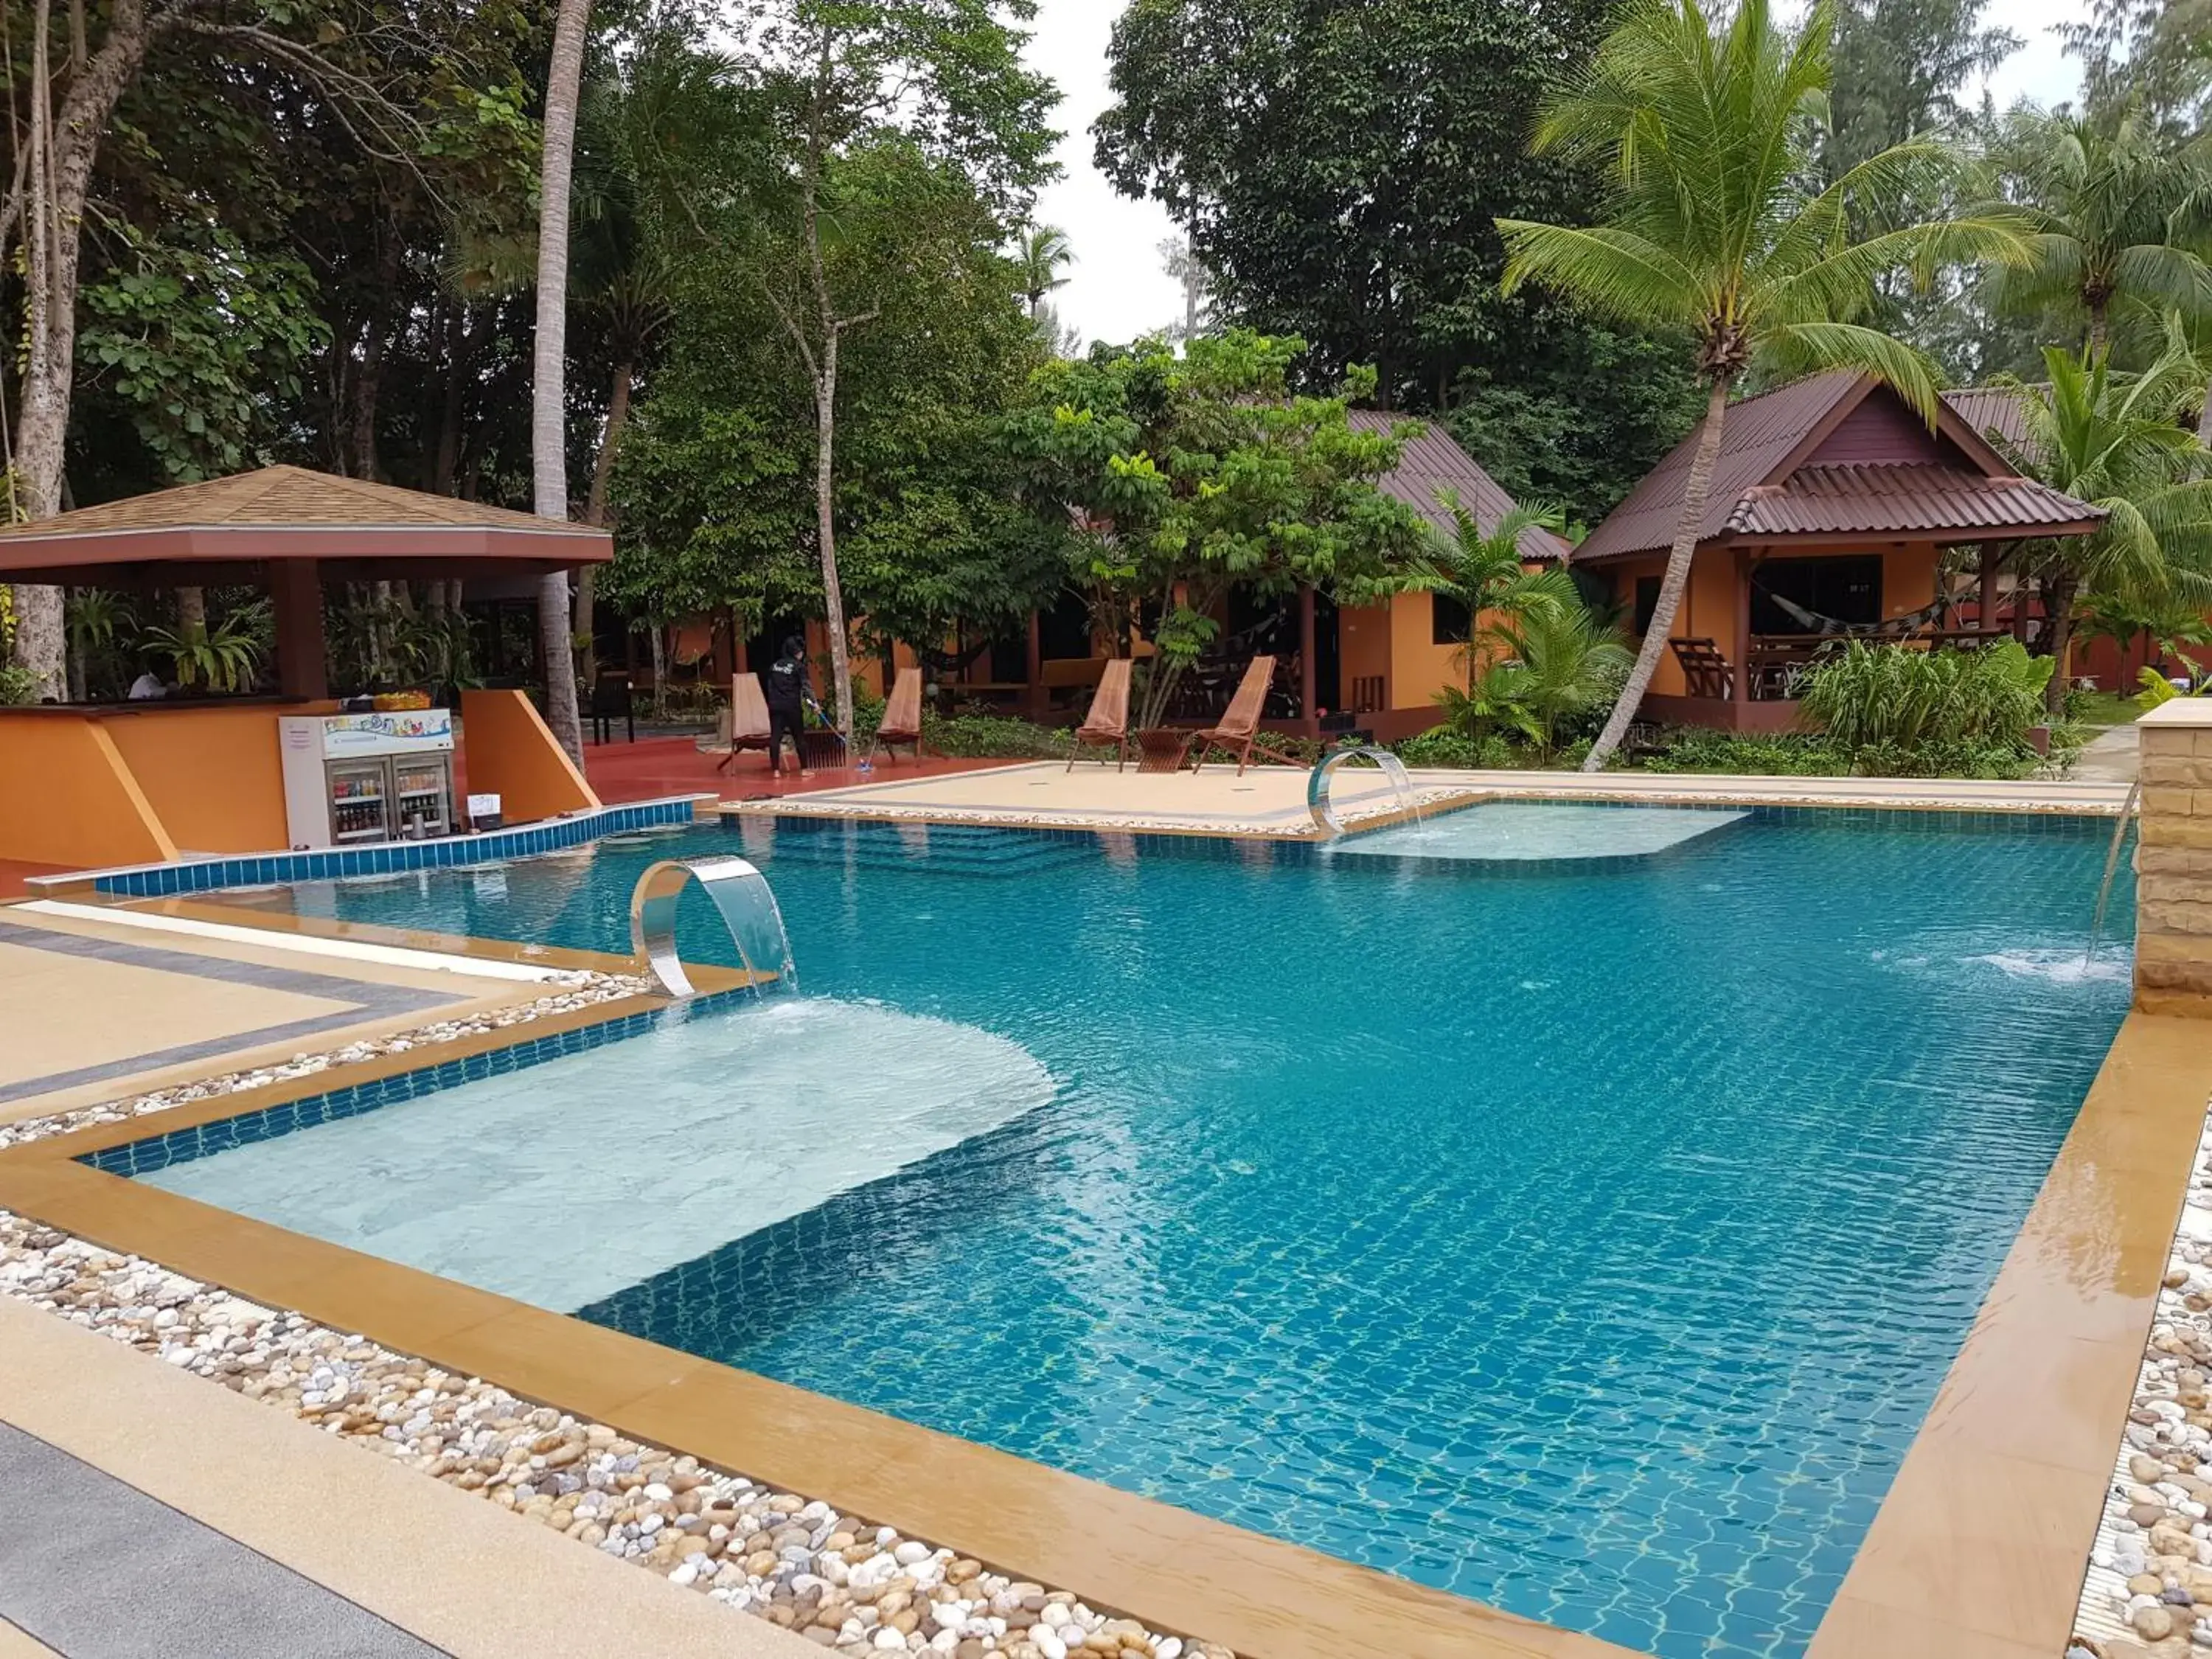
x=14 y=876
x=655 y=767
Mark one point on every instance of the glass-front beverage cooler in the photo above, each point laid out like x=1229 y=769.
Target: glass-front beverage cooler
x=354 y=779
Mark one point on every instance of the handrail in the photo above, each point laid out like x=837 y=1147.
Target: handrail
x=1393 y=769
x=741 y=898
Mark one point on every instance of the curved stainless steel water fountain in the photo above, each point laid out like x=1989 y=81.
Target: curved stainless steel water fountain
x=1393 y=771
x=741 y=897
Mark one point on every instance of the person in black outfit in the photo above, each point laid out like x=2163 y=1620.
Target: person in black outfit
x=785 y=685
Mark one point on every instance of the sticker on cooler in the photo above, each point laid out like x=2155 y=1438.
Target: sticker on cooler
x=383 y=732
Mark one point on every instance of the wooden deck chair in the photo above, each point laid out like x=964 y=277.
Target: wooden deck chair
x=1107 y=725
x=1705 y=671
x=746 y=723
x=1240 y=722
x=901 y=721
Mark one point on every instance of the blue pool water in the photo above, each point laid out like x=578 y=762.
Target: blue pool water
x=1589 y=1243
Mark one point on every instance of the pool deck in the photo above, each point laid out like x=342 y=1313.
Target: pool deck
x=1271 y=800
x=193 y=1000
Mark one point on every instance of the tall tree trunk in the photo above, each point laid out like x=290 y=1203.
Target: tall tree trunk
x=549 y=462
x=2058 y=595
x=1695 y=490
x=192 y=608
x=833 y=593
x=452 y=404
x=63 y=148
x=595 y=504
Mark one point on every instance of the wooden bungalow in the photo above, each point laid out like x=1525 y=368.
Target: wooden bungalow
x=1832 y=508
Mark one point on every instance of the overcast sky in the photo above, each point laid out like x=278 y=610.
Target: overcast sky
x=1116 y=289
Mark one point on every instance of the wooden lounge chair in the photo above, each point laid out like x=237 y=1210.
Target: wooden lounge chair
x=901 y=721
x=1240 y=722
x=1107 y=726
x=1704 y=670
x=746 y=722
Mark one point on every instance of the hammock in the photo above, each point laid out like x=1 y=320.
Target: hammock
x=1896 y=627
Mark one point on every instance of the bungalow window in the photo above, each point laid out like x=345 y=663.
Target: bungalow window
x=1064 y=631
x=1448 y=622
x=1845 y=590
x=1647 y=604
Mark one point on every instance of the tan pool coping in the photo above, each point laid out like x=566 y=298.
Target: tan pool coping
x=463 y=1575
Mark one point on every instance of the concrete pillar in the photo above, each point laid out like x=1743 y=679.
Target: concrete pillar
x=2174 y=861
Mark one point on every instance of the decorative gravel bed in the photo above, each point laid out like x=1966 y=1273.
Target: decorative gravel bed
x=836 y=1578
x=2148 y=1591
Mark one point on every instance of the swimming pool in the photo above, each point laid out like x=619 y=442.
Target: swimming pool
x=1589 y=1243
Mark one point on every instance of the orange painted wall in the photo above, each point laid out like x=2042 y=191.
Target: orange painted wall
x=1363 y=648
x=511 y=754
x=1419 y=667
x=67 y=797
x=213 y=776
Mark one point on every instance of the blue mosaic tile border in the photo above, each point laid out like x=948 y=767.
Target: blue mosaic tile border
x=204 y=875
x=159 y=1152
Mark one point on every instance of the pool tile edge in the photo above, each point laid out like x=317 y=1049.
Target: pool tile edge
x=2086 y=1263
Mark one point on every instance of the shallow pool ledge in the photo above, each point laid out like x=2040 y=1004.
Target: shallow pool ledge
x=1979 y=1550
x=2174 y=861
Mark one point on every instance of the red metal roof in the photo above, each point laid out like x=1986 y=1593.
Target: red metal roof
x=1890 y=500
x=1433 y=463
x=1991 y=410
x=1942 y=485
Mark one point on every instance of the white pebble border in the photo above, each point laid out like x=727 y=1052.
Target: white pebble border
x=2148 y=1591
x=841 y=1581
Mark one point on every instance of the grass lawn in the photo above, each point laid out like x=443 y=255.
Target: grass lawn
x=2107 y=709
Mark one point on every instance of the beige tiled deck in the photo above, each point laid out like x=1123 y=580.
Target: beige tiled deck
x=96 y=1009
x=1272 y=799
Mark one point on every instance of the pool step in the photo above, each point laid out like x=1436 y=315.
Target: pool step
x=953 y=849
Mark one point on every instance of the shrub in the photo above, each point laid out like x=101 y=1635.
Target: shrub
x=1440 y=746
x=18 y=685
x=1905 y=711
x=1698 y=749
x=986 y=737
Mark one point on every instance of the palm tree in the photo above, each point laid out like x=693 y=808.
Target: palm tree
x=1709 y=139
x=2113 y=441
x=2111 y=207
x=1484 y=573
x=549 y=460
x=1039 y=257
x=1559 y=661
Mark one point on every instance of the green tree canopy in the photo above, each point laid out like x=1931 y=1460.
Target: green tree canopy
x=1184 y=477
x=1339 y=170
